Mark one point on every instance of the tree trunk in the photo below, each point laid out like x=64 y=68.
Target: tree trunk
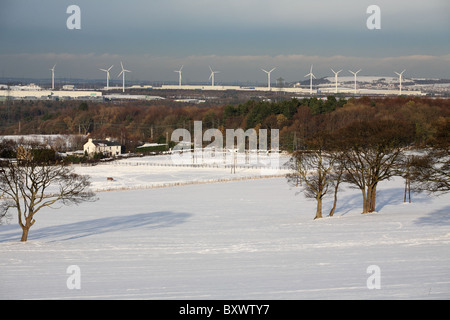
x=373 y=197
x=406 y=188
x=29 y=221
x=334 y=207
x=24 y=233
x=365 y=201
x=335 y=200
x=369 y=197
x=319 y=208
x=409 y=190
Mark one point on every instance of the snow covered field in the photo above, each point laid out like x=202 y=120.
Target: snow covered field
x=159 y=171
x=249 y=239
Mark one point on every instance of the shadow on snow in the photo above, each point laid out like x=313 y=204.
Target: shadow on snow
x=385 y=197
x=439 y=217
x=143 y=221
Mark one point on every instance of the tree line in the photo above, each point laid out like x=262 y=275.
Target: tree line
x=135 y=122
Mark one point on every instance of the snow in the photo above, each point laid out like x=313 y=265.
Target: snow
x=160 y=171
x=245 y=239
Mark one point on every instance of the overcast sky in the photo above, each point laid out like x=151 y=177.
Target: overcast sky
x=237 y=37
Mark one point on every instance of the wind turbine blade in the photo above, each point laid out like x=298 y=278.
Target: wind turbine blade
x=264 y=70
x=120 y=74
x=110 y=67
x=104 y=70
x=272 y=69
x=333 y=70
x=339 y=71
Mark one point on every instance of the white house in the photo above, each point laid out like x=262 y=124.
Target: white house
x=106 y=147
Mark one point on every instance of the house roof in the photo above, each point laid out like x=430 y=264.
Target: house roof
x=105 y=143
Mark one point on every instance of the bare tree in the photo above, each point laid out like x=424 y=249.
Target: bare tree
x=432 y=171
x=336 y=178
x=373 y=152
x=28 y=186
x=314 y=169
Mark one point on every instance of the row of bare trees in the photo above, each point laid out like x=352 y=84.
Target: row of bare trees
x=365 y=153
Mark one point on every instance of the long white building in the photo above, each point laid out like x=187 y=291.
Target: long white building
x=233 y=88
x=48 y=94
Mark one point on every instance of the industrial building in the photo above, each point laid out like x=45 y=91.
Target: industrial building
x=370 y=92
x=49 y=94
x=232 y=88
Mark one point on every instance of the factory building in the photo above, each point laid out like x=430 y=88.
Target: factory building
x=49 y=94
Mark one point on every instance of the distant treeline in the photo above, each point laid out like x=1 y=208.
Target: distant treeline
x=134 y=123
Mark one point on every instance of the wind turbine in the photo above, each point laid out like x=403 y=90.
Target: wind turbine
x=123 y=76
x=311 y=76
x=355 y=73
x=107 y=76
x=179 y=75
x=53 y=76
x=335 y=78
x=268 y=76
x=400 y=76
x=211 y=77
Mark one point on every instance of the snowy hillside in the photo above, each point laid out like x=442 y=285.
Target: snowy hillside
x=248 y=239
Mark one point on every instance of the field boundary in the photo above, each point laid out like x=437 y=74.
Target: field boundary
x=187 y=183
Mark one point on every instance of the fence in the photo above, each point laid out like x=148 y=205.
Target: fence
x=194 y=165
x=185 y=183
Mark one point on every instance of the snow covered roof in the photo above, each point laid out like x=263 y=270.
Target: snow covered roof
x=104 y=143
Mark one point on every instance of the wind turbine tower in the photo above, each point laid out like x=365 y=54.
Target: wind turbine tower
x=335 y=78
x=123 y=76
x=211 y=77
x=107 y=76
x=311 y=76
x=355 y=73
x=400 y=76
x=53 y=76
x=179 y=75
x=268 y=76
